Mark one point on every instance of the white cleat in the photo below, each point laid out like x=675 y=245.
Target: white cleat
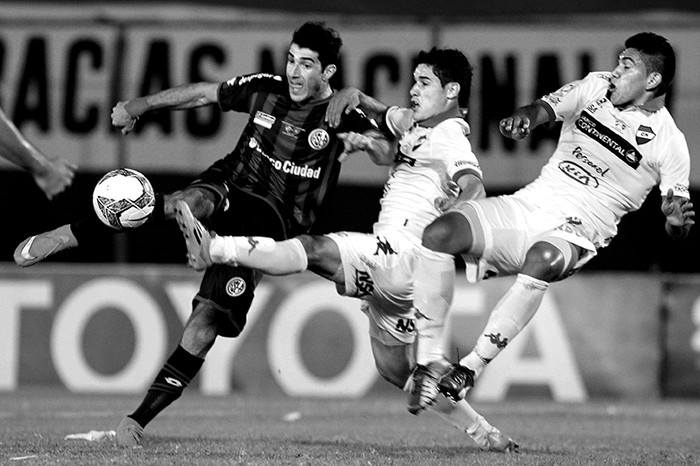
x=197 y=238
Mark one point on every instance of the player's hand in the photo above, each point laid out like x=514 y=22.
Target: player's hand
x=516 y=127
x=678 y=210
x=54 y=176
x=353 y=142
x=122 y=119
x=343 y=102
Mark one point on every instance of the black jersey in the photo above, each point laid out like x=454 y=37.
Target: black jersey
x=287 y=154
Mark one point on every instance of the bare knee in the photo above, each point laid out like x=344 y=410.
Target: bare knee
x=545 y=262
x=200 y=332
x=200 y=201
x=449 y=233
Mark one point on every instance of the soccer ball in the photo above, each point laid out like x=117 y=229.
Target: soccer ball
x=123 y=198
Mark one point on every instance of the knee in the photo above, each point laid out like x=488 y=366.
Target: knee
x=448 y=234
x=544 y=261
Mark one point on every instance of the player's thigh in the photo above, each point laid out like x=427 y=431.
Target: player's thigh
x=393 y=362
x=323 y=256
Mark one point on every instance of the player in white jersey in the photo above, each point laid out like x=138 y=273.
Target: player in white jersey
x=433 y=166
x=617 y=142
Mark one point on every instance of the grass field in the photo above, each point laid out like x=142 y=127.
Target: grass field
x=377 y=431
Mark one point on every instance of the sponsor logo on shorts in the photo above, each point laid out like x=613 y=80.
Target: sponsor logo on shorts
x=644 y=134
x=405 y=325
x=235 y=287
x=384 y=247
x=363 y=283
x=607 y=138
x=578 y=173
x=319 y=138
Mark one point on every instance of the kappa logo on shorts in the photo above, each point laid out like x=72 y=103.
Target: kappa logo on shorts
x=235 y=287
x=319 y=138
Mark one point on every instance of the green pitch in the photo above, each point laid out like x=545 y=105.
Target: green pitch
x=253 y=430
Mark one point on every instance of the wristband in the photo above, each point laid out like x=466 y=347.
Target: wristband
x=137 y=107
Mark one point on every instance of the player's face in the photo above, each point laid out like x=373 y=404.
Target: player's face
x=628 y=84
x=305 y=75
x=428 y=96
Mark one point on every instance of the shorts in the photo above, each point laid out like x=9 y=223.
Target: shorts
x=231 y=289
x=378 y=269
x=505 y=227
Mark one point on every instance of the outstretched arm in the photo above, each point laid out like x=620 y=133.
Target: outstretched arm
x=680 y=216
x=524 y=120
x=348 y=99
x=374 y=142
x=52 y=174
x=126 y=113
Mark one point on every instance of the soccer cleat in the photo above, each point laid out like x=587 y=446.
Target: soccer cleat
x=129 y=433
x=197 y=238
x=456 y=382
x=38 y=247
x=424 y=391
x=489 y=438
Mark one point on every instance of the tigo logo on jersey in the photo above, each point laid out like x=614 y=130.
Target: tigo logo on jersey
x=319 y=138
x=264 y=120
x=235 y=287
x=644 y=134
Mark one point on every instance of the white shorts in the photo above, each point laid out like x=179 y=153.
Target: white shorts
x=379 y=270
x=505 y=227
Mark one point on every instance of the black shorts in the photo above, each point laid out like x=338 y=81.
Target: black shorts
x=227 y=288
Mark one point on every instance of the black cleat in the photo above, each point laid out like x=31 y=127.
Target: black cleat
x=456 y=382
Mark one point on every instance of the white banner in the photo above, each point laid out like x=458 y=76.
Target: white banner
x=59 y=82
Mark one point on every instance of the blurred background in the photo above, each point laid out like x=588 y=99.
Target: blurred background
x=103 y=317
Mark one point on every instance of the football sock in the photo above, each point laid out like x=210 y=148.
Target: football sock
x=460 y=414
x=176 y=374
x=256 y=252
x=433 y=288
x=509 y=317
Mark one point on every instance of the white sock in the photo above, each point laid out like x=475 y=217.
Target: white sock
x=508 y=318
x=257 y=252
x=460 y=414
x=433 y=288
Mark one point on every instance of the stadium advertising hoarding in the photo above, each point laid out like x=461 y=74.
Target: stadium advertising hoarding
x=59 y=82
x=108 y=329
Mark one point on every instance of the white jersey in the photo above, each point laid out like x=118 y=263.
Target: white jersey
x=428 y=163
x=608 y=160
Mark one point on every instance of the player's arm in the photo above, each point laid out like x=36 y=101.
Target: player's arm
x=373 y=142
x=525 y=119
x=51 y=174
x=348 y=99
x=126 y=113
x=680 y=216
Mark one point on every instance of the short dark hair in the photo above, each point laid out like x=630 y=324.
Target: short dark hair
x=321 y=39
x=450 y=65
x=657 y=55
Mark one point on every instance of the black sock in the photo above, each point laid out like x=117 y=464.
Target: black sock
x=176 y=374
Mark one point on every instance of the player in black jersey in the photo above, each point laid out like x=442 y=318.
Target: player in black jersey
x=274 y=183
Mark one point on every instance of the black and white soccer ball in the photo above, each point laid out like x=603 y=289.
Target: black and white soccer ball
x=123 y=199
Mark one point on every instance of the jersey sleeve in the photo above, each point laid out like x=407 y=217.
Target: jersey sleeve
x=568 y=99
x=234 y=94
x=398 y=120
x=451 y=141
x=674 y=167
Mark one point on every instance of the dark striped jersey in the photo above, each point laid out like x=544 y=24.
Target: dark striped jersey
x=287 y=154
